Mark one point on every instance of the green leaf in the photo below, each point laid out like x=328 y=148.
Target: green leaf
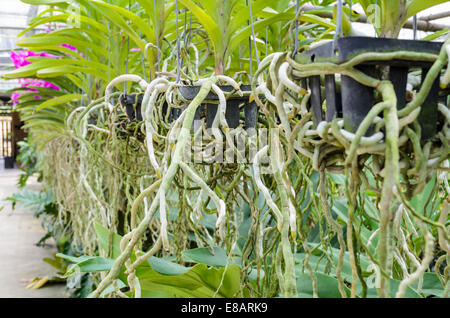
x=199 y=281
x=96 y=264
x=29 y=70
x=391 y=13
x=116 y=12
x=86 y=264
x=337 y=178
x=56 y=262
x=103 y=240
x=91 y=265
x=341 y=209
x=419 y=202
x=207 y=22
x=319 y=264
x=44 y=2
x=416 y=6
x=436 y=35
x=42 y=91
x=63 y=70
x=108 y=290
x=327 y=286
x=74 y=259
x=158 y=13
x=35 y=200
x=431 y=285
x=59 y=100
x=166 y=267
x=246 y=32
x=365 y=4
x=227 y=278
x=394 y=284
x=203 y=255
x=40 y=40
x=238 y=20
x=63 y=18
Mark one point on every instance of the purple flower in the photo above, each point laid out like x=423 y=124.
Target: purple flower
x=20 y=60
x=14 y=98
x=70 y=47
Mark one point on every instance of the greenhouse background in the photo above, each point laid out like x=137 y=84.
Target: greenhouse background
x=106 y=105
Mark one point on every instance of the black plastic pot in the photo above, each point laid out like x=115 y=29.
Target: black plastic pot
x=232 y=114
x=355 y=100
x=9 y=162
x=132 y=106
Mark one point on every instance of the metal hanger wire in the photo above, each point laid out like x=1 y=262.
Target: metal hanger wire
x=249 y=2
x=297 y=8
x=178 y=43
x=157 y=36
x=415 y=27
x=128 y=54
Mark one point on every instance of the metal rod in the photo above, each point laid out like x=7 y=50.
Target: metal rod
x=249 y=2
x=375 y=24
x=436 y=16
x=338 y=32
x=157 y=36
x=109 y=50
x=267 y=36
x=185 y=37
x=297 y=7
x=178 y=41
x=128 y=54
x=415 y=27
x=422 y=25
x=250 y=58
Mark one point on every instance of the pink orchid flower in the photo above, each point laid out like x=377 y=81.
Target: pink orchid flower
x=20 y=60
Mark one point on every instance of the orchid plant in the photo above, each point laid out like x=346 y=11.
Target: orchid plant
x=19 y=60
x=138 y=211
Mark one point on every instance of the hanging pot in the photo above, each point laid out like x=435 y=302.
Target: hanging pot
x=132 y=104
x=355 y=100
x=232 y=113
